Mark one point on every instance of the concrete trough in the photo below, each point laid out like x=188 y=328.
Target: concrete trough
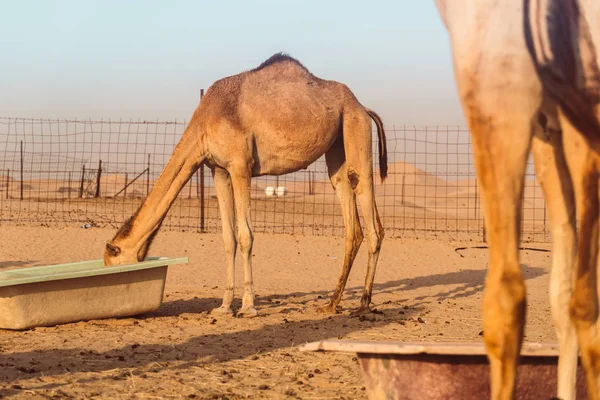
x=436 y=371
x=81 y=291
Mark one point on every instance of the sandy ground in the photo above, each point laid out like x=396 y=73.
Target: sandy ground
x=425 y=289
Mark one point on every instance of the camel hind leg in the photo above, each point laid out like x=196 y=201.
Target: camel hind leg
x=359 y=167
x=553 y=175
x=338 y=175
x=583 y=165
x=584 y=303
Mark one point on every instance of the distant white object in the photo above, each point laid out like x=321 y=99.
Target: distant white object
x=281 y=191
x=269 y=191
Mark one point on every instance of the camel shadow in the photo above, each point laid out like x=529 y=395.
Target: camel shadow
x=217 y=347
x=469 y=282
x=176 y=308
x=151 y=359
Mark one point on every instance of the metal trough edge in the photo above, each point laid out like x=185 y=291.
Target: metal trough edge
x=55 y=272
x=408 y=348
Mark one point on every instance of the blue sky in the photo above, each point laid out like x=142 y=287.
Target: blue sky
x=149 y=59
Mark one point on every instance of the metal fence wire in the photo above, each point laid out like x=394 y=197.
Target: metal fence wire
x=57 y=172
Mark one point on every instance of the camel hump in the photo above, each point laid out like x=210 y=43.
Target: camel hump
x=279 y=58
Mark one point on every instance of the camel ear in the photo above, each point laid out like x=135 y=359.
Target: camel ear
x=112 y=250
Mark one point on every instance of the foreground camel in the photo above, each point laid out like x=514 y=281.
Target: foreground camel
x=528 y=78
x=272 y=120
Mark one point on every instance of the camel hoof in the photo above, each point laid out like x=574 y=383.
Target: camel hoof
x=364 y=310
x=222 y=311
x=328 y=309
x=249 y=312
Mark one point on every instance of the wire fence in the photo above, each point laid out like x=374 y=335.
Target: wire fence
x=73 y=172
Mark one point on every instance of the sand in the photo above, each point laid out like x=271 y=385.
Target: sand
x=181 y=351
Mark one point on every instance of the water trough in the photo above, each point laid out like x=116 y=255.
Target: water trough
x=436 y=371
x=80 y=291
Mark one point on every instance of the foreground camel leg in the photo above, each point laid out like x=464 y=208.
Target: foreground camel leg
x=240 y=179
x=227 y=211
x=501 y=130
x=500 y=170
x=338 y=174
x=359 y=164
x=583 y=165
x=553 y=174
x=584 y=304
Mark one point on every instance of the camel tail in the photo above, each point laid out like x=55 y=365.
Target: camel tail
x=383 y=158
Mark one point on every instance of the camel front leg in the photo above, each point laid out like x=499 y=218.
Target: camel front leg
x=553 y=175
x=227 y=210
x=240 y=179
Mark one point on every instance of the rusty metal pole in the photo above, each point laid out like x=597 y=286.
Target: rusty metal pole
x=148 y=177
x=402 y=190
x=126 y=182
x=82 y=180
x=70 y=182
x=7 y=182
x=202 y=205
x=98 y=179
x=21 y=197
x=476 y=198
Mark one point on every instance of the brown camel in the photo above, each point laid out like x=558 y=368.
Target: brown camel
x=273 y=120
x=528 y=78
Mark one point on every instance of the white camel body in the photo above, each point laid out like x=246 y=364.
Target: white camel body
x=527 y=76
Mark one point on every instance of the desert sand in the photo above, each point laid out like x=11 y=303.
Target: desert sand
x=425 y=289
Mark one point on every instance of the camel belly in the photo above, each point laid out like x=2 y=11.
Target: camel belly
x=280 y=157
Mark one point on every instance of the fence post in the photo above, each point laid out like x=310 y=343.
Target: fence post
x=70 y=182
x=402 y=191
x=476 y=199
x=484 y=233
x=98 y=178
x=82 y=180
x=202 y=205
x=197 y=184
x=148 y=177
x=545 y=229
x=126 y=182
x=21 y=197
x=7 y=182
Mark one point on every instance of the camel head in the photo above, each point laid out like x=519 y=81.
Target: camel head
x=114 y=255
